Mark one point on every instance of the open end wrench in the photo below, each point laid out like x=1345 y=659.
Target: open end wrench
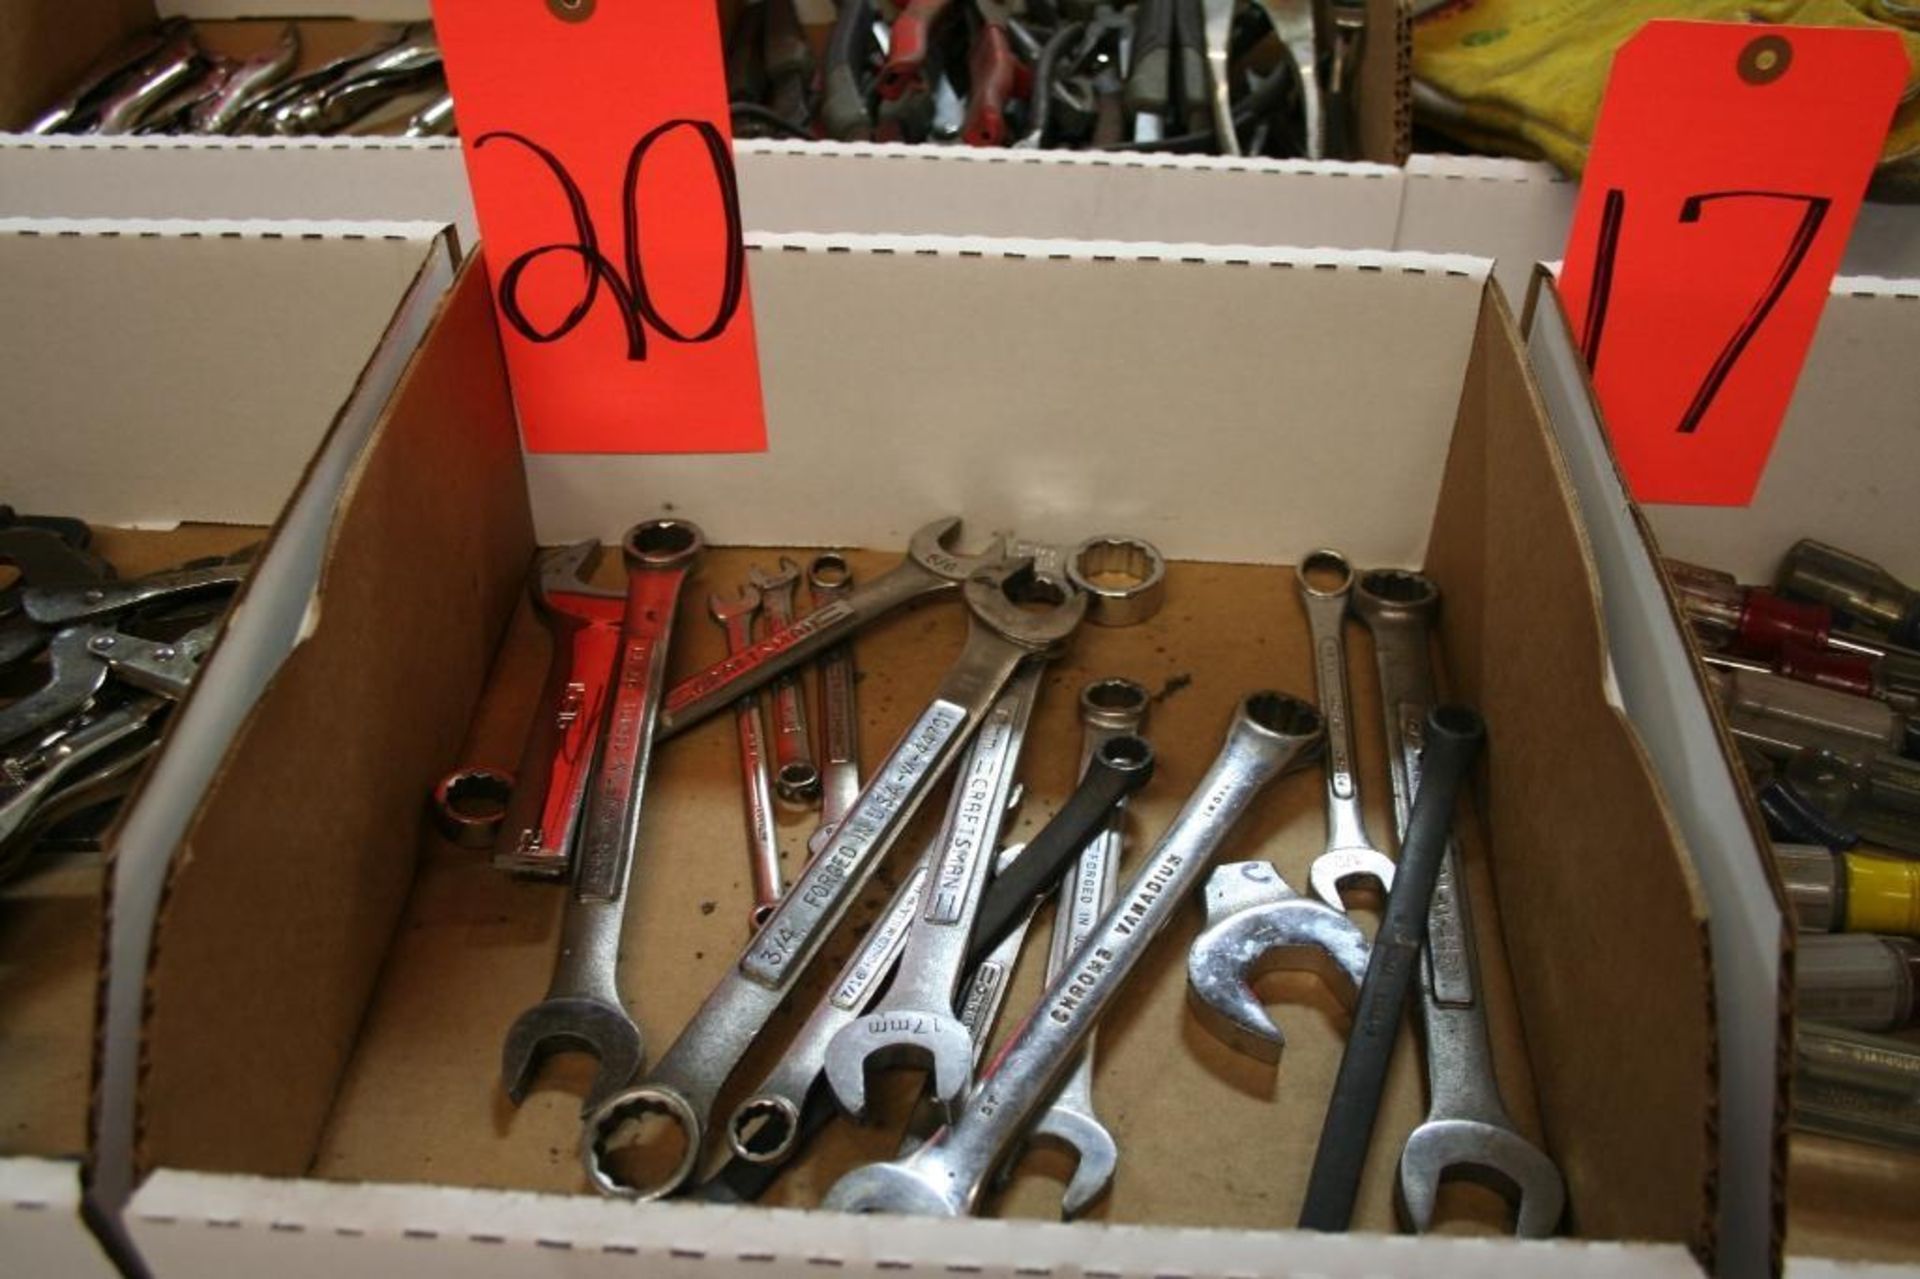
x=735 y=614
x=1218 y=23
x=915 y=1024
x=1453 y=737
x=928 y=569
x=582 y=1009
x=944 y=1177
x=680 y=1091
x=1326 y=582
x=1108 y=708
x=797 y=781
x=1467 y=1128
x=830 y=579
x=1293 y=23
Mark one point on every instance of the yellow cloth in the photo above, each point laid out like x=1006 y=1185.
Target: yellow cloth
x=1525 y=77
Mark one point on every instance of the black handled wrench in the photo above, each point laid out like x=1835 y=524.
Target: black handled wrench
x=680 y=1091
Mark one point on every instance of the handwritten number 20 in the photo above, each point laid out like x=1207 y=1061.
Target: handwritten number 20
x=1613 y=214
x=626 y=282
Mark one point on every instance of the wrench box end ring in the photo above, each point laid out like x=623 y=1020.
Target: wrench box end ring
x=762 y=1130
x=663 y=543
x=1124 y=578
x=470 y=804
x=604 y=1127
x=1325 y=573
x=1282 y=714
x=1114 y=703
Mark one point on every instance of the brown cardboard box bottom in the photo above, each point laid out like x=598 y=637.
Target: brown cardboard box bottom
x=329 y=988
x=50 y=923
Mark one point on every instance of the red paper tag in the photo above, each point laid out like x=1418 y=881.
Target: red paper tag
x=599 y=151
x=1727 y=166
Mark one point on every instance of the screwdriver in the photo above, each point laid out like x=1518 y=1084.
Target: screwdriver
x=1849 y=892
x=1757 y=622
x=1869 y=596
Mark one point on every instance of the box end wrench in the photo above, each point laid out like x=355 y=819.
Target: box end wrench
x=678 y=1096
x=582 y=1009
x=929 y=568
x=1108 y=708
x=796 y=780
x=829 y=579
x=944 y=1177
x=734 y=614
x=1326 y=584
x=1467 y=1128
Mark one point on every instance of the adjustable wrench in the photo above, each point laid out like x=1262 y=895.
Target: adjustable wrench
x=829 y=579
x=735 y=615
x=797 y=782
x=914 y=1022
x=682 y=1087
x=944 y=1177
x=1467 y=1126
x=1107 y=707
x=929 y=568
x=1326 y=582
x=582 y=1009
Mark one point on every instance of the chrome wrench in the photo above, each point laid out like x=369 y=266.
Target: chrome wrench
x=681 y=1090
x=797 y=781
x=914 y=1023
x=735 y=614
x=830 y=579
x=1467 y=1125
x=1326 y=583
x=582 y=1009
x=928 y=569
x=1108 y=707
x=944 y=1177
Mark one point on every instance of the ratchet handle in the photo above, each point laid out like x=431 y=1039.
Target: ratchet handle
x=1190 y=41
x=1122 y=766
x=1150 y=71
x=998 y=76
x=908 y=47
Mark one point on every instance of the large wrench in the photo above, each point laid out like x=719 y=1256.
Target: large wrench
x=1467 y=1126
x=929 y=569
x=915 y=1023
x=682 y=1088
x=735 y=615
x=1326 y=582
x=944 y=1176
x=582 y=1009
x=830 y=580
x=798 y=780
x=1108 y=707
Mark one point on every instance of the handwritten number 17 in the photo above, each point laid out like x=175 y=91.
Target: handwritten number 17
x=1613 y=215
x=627 y=281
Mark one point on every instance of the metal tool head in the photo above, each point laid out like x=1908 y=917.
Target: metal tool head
x=470 y=804
x=939 y=1044
x=1325 y=574
x=1033 y=613
x=723 y=608
x=572 y=1024
x=1115 y=704
x=829 y=576
x=1124 y=577
x=631 y=1122
x=1340 y=868
x=1256 y=924
x=568 y=570
x=654 y=544
x=1094 y=1152
x=784 y=578
x=1391 y=594
x=897 y=1188
x=1495 y=1157
x=931 y=548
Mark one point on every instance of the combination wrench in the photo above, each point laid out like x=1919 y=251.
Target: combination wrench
x=928 y=569
x=1108 y=707
x=1326 y=583
x=582 y=1009
x=1467 y=1125
x=829 y=579
x=797 y=781
x=735 y=614
x=914 y=1023
x=944 y=1176
x=680 y=1091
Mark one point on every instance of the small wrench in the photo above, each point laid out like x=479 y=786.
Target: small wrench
x=682 y=1087
x=944 y=1177
x=914 y=1023
x=735 y=615
x=797 y=782
x=1467 y=1125
x=1326 y=583
x=829 y=579
x=928 y=569
x=1108 y=707
x=1294 y=25
x=582 y=1009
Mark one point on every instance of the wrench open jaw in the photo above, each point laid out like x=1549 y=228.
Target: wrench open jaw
x=1491 y=1153
x=1257 y=924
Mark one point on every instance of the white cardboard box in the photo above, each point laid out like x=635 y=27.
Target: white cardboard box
x=141 y=394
